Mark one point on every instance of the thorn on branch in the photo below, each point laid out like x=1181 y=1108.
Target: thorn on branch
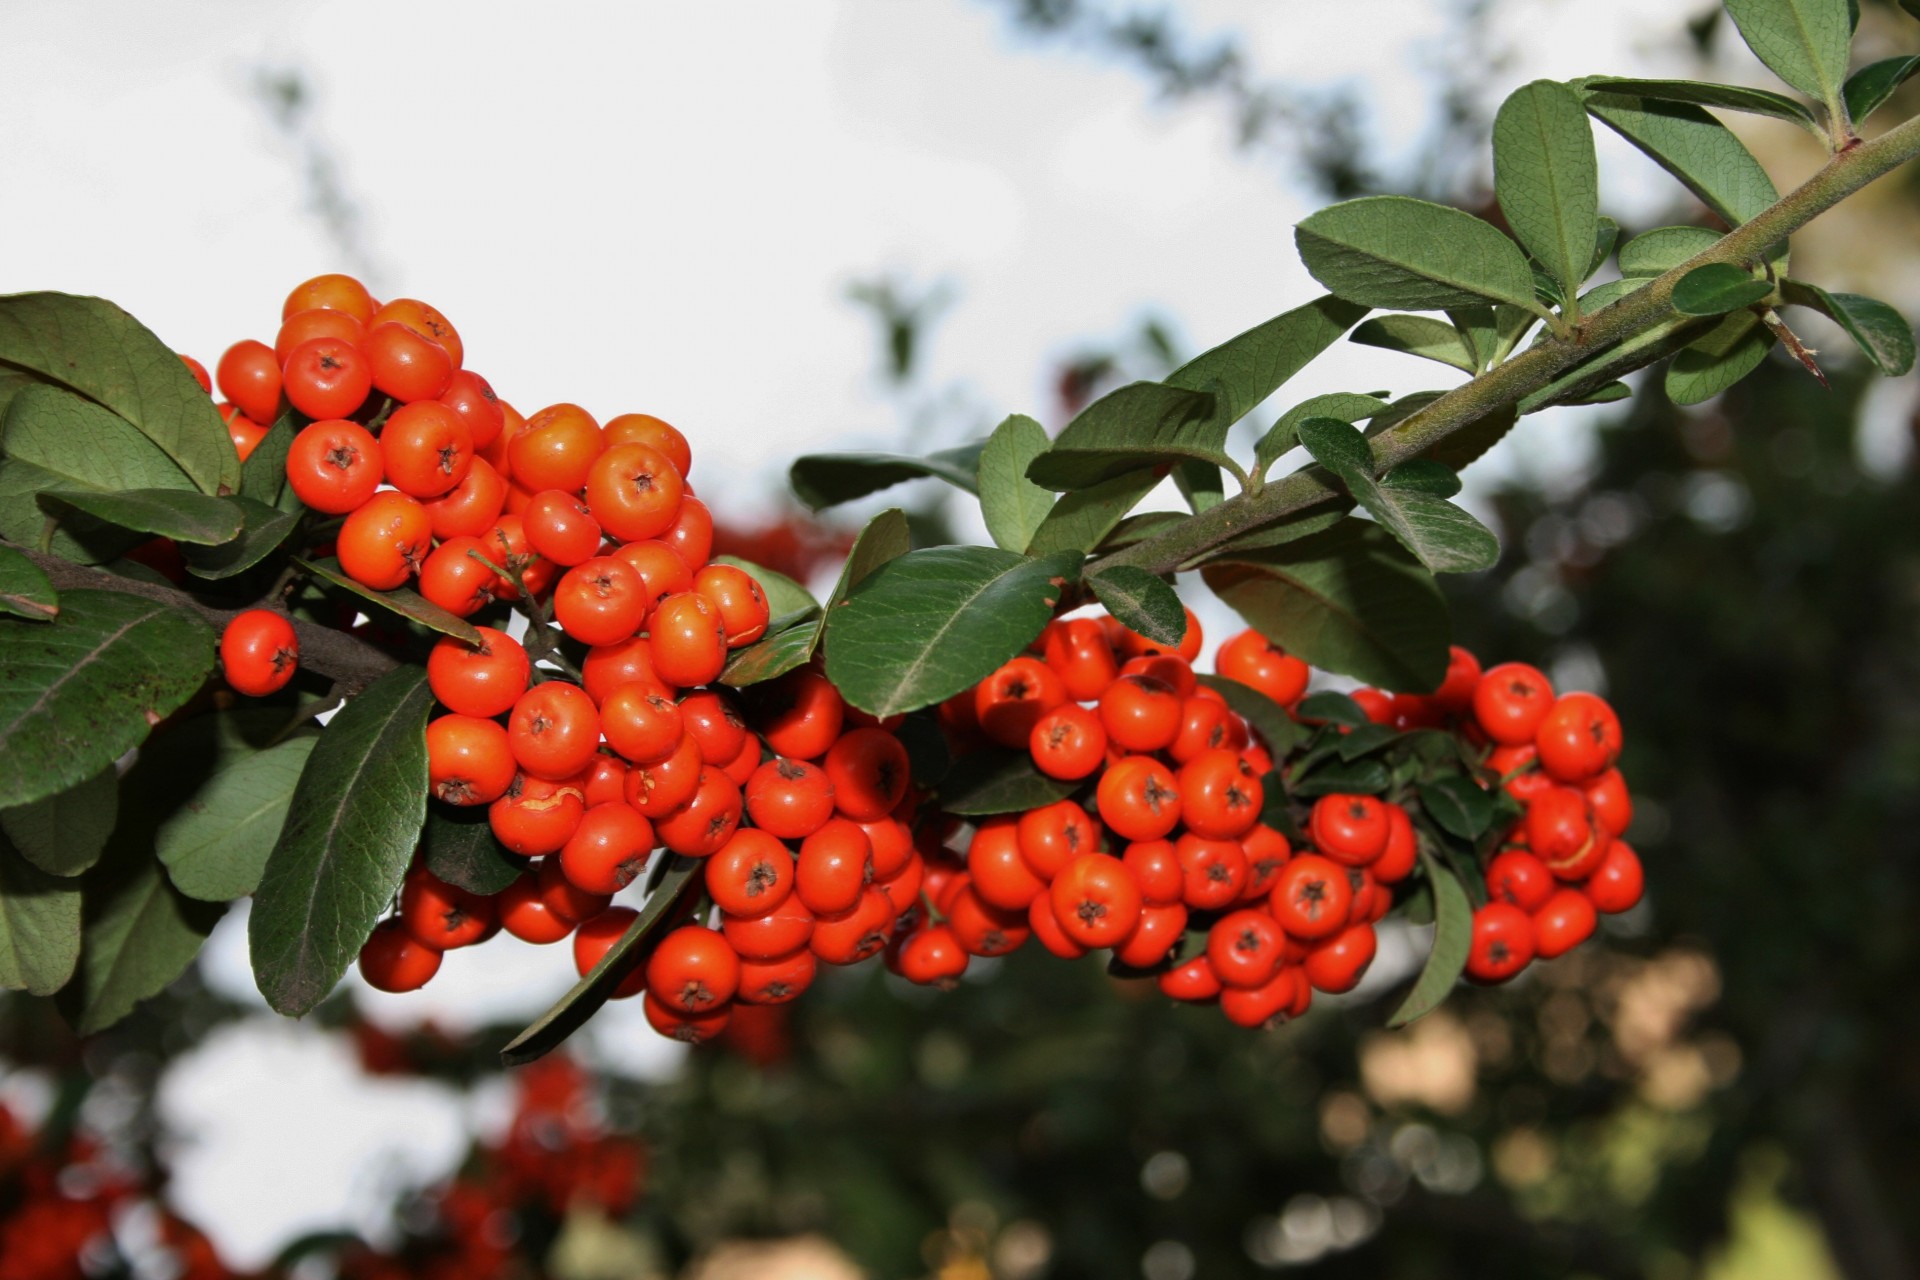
x=1791 y=341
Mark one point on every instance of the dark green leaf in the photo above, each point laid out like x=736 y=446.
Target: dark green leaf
x=1201 y=484
x=1452 y=939
x=265 y=528
x=1285 y=434
x=928 y=756
x=923 y=627
x=1349 y=600
x=1302 y=524
x=458 y=846
x=1882 y=334
x=1804 y=42
x=1247 y=368
x=884 y=538
x=1695 y=148
x=1329 y=707
x=1470 y=442
x=401 y=601
x=216 y=844
x=1079 y=520
x=1268 y=718
x=39 y=926
x=1476 y=328
x=1445 y=537
x=1606 y=234
x=1012 y=505
x=1656 y=252
x=1137 y=529
x=1334 y=776
x=1423 y=475
x=1410 y=255
x=1366 y=740
x=140 y=934
x=98 y=350
x=25 y=591
x=78 y=692
x=823 y=480
x=785 y=597
x=994 y=781
x=1608 y=394
x=356 y=817
x=586 y=996
x=1869 y=87
x=1547 y=180
x=1459 y=805
x=1141 y=601
x=1730 y=97
x=1421 y=336
x=64 y=834
x=1710 y=364
x=1142 y=424
x=180 y=514
x=772 y=656
x=263 y=476
x=1717 y=288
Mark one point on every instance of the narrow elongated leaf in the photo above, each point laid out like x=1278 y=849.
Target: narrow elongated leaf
x=1547 y=180
x=1475 y=325
x=785 y=597
x=1421 y=336
x=401 y=601
x=1349 y=600
x=263 y=529
x=987 y=782
x=140 y=933
x=931 y=623
x=1141 y=424
x=1344 y=405
x=1452 y=939
x=1717 y=288
x=216 y=843
x=823 y=480
x=93 y=347
x=1804 y=42
x=65 y=834
x=1012 y=505
x=1459 y=806
x=180 y=514
x=1725 y=354
x=1445 y=538
x=78 y=692
x=885 y=537
x=25 y=591
x=1730 y=97
x=1247 y=368
x=1882 y=334
x=1411 y=255
x=39 y=926
x=263 y=476
x=1141 y=601
x=1869 y=87
x=1606 y=234
x=355 y=819
x=458 y=846
x=1656 y=252
x=772 y=656
x=1079 y=520
x=1694 y=147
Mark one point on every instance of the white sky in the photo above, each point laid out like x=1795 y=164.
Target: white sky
x=654 y=207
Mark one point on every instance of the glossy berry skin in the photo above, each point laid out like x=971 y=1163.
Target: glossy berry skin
x=334 y=290
x=1140 y=714
x=1078 y=652
x=1045 y=926
x=536 y=817
x=1337 y=964
x=751 y=874
x=869 y=773
x=392 y=960
x=1563 y=833
x=1157 y=932
x=1578 y=739
x=791 y=799
x=686 y=1028
x=776 y=981
x=384 y=540
x=600 y=601
x=1503 y=942
x=611 y=845
x=737 y=596
x=259 y=652
x=1245 y=948
x=468 y=760
x=426 y=449
x=560 y=527
x=554 y=730
x=1055 y=834
x=1266 y=852
x=1567 y=920
x=334 y=465
x=773 y=936
x=1396 y=861
x=1510 y=702
x=1138 y=798
x=249 y=375
x=641 y=723
x=801 y=715
x=634 y=491
x=1312 y=897
x=1284 y=997
x=525 y=914
x=1213 y=872
x=404 y=364
x=470 y=508
x=1220 y=797
x=1193 y=981
x=687 y=640
x=453 y=579
x=1516 y=877
x=833 y=868
x=424 y=319
x=1096 y=900
x=655 y=433
x=707 y=821
x=441 y=915
x=1011 y=701
x=1612 y=803
x=1256 y=662
x=484 y=680
x=1617 y=884
x=1156 y=868
x=658 y=789
x=1000 y=873
x=597 y=936
x=1349 y=828
x=1455 y=693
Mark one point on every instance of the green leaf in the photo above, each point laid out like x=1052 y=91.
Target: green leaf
x=77 y=693
x=1475 y=325
x=263 y=529
x=1344 y=405
x=1882 y=334
x=140 y=934
x=1332 y=708
x=180 y=514
x=1705 y=155
x=1717 y=288
x=1459 y=805
x=1137 y=529
x=1142 y=601
x=586 y=996
x=1349 y=600
x=356 y=817
x=1141 y=424
x=1656 y=252
x=1547 y=180
x=1710 y=364
x=931 y=623
x=458 y=846
x=263 y=476
x=1423 y=475
x=1445 y=538
x=823 y=480
x=993 y=781
x=1869 y=87
x=1200 y=483
x=1730 y=97
x=772 y=656
x=1421 y=336
x=1613 y=391
x=402 y=601
x=1410 y=255
x=785 y=597
x=1804 y=42
x=39 y=926
x=64 y=834
x=215 y=844
x=1301 y=524
x=1452 y=940
x=1245 y=369
x=93 y=347
x=1079 y=520
x=25 y=591
x=1473 y=440
x=1267 y=718
x=1336 y=776
x=1366 y=740
x=1606 y=234
x=1012 y=505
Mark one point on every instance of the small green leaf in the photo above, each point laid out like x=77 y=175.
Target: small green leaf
x=1340 y=777
x=1869 y=87
x=350 y=833
x=1882 y=334
x=1460 y=806
x=785 y=597
x=1705 y=155
x=1606 y=234
x=1080 y=519
x=1804 y=42
x=1302 y=524
x=1141 y=601
x=1244 y=370
x=1717 y=288
x=1012 y=505
x=1452 y=940
x=1366 y=740
x=39 y=926
x=1470 y=442
x=1200 y=483
x=140 y=934
x=1612 y=392
x=180 y=514
x=823 y=480
x=64 y=834
x=1329 y=707
x=993 y=781
x=264 y=529
x=1475 y=326
x=1423 y=475
x=1141 y=424
x=216 y=843
x=25 y=591
x=1730 y=97
x=772 y=656
x=1275 y=725
x=931 y=623
x=1421 y=336
x=78 y=692
x=1411 y=255
x=1445 y=538
x=1710 y=364
x=1285 y=434
x=263 y=476
x=1656 y=252
x=400 y=601
x=1547 y=180
x=458 y=846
